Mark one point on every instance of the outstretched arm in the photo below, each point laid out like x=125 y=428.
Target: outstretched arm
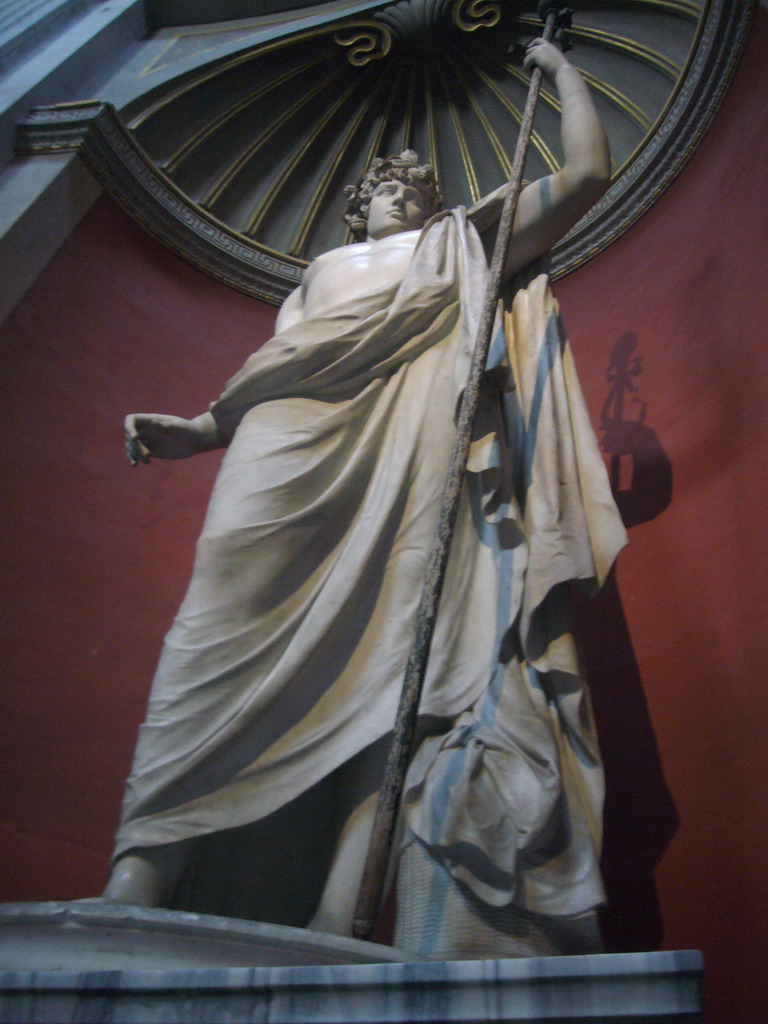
x=157 y=436
x=547 y=209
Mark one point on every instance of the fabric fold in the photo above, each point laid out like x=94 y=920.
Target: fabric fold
x=509 y=801
x=287 y=656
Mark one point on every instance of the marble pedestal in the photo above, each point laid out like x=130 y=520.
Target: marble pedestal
x=93 y=936
x=333 y=984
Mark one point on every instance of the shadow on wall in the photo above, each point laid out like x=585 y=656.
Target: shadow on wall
x=640 y=817
x=640 y=472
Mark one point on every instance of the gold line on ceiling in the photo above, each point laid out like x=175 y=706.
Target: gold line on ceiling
x=321 y=189
x=264 y=135
x=431 y=129
x=537 y=141
x=373 y=149
x=407 y=137
x=685 y=8
x=260 y=22
x=499 y=150
x=673 y=93
x=466 y=159
x=642 y=53
x=172 y=163
x=375 y=145
x=618 y=99
x=219 y=69
x=622 y=44
x=262 y=208
x=155 y=65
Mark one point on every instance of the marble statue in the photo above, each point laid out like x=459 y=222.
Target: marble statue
x=256 y=770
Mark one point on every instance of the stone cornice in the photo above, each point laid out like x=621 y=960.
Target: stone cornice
x=95 y=131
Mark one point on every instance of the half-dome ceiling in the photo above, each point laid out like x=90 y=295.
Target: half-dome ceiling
x=266 y=138
x=237 y=157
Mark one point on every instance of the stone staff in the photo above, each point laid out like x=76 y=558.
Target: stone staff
x=556 y=18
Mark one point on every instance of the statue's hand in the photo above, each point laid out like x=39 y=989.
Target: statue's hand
x=154 y=435
x=544 y=55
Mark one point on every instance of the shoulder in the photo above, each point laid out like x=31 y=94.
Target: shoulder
x=332 y=256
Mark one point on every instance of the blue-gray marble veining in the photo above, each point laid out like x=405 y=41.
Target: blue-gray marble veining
x=637 y=987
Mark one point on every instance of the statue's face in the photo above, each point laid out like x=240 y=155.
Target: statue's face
x=396 y=207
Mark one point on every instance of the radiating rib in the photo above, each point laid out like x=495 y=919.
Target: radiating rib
x=373 y=149
x=537 y=141
x=622 y=44
x=321 y=189
x=686 y=8
x=234 y=168
x=642 y=53
x=618 y=99
x=220 y=69
x=261 y=22
x=263 y=207
x=173 y=162
x=466 y=158
x=431 y=130
x=499 y=150
x=375 y=146
x=156 y=63
x=407 y=137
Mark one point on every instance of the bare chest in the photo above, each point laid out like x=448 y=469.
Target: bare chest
x=345 y=274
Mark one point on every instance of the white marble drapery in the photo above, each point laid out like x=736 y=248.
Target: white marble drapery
x=287 y=656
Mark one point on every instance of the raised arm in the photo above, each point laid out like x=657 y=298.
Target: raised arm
x=548 y=208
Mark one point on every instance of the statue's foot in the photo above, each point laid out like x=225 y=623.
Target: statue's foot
x=145 y=879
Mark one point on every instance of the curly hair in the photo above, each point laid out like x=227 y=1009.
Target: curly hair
x=405 y=168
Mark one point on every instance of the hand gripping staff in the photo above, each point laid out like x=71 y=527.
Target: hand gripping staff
x=555 y=17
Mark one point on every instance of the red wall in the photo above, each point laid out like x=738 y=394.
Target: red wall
x=96 y=555
x=686 y=651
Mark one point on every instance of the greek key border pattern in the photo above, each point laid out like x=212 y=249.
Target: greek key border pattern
x=97 y=134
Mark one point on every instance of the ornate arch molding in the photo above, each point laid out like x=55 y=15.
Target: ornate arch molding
x=98 y=134
x=235 y=165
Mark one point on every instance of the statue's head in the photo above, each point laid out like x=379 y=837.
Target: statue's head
x=418 y=182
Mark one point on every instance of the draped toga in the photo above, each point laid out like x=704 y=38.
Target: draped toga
x=287 y=656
